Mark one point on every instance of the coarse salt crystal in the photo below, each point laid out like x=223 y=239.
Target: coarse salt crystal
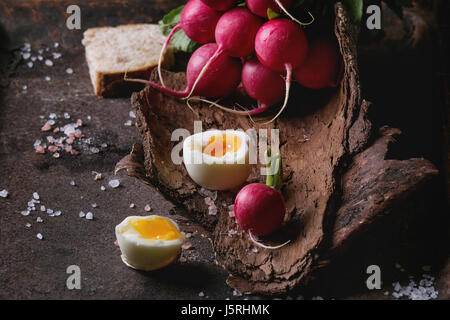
x=132 y=205
x=114 y=183
x=94 y=205
x=148 y=208
x=39 y=236
x=4 y=193
x=30 y=64
x=25 y=213
x=47 y=78
x=72 y=183
x=43 y=208
x=236 y=293
x=69 y=70
x=201 y=294
x=129 y=123
x=40 y=58
x=56 y=55
x=39 y=220
x=48 y=63
x=66 y=115
x=24 y=88
x=102 y=188
x=35 y=195
x=89 y=216
x=58 y=213
x=212 y=210
x=49 y=211
x=132 y=114
x=26 y=55
x=28 y=225
x=56 y=44
x=82 y=214
x=33 y=58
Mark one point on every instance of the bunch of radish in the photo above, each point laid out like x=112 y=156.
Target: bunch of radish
x=240 y=45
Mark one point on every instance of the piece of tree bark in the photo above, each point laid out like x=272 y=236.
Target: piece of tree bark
x=316 y=147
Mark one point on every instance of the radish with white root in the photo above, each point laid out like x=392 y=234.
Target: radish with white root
x=259 y=209
x=222 y=79
x=220 y=5
x=322 y=66
x=235 y=36
x=281 y=45
x=198 y=21
x=260 y=83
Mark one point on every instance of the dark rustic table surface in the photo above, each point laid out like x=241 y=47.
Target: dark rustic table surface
x=31 y=268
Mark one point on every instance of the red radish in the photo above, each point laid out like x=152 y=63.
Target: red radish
x=220 y=5
x=198 y=21
x=260 y=83
x=321 y=68
x=259 y=209
x=281 y=45
x=259 y=7
x=235 y=35
x=221 y=80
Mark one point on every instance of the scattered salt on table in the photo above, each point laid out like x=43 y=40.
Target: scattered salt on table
x=114 y=183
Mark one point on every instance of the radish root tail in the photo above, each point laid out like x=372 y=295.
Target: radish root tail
x=163 y=50
x=259 y=244
x=205 y=68
x=247 y=112
x=288 y=89
x=179 y=94
x=292 y=17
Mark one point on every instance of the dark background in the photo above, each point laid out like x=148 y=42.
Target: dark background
x=407 y=86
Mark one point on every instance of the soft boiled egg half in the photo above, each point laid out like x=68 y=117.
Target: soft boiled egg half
x=217 y=160
x=149 y=243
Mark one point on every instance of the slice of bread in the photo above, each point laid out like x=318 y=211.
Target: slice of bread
x=112 y=51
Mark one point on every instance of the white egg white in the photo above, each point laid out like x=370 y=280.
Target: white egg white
x=217 y=173
x=146 y=254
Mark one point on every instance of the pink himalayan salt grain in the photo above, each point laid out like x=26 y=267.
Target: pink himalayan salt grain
x=40 y=149
x=186 y=246
x=46 y=127
x=52 y=148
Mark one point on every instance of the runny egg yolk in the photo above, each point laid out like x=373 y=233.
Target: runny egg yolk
x=155 y=228
x=219 y=145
